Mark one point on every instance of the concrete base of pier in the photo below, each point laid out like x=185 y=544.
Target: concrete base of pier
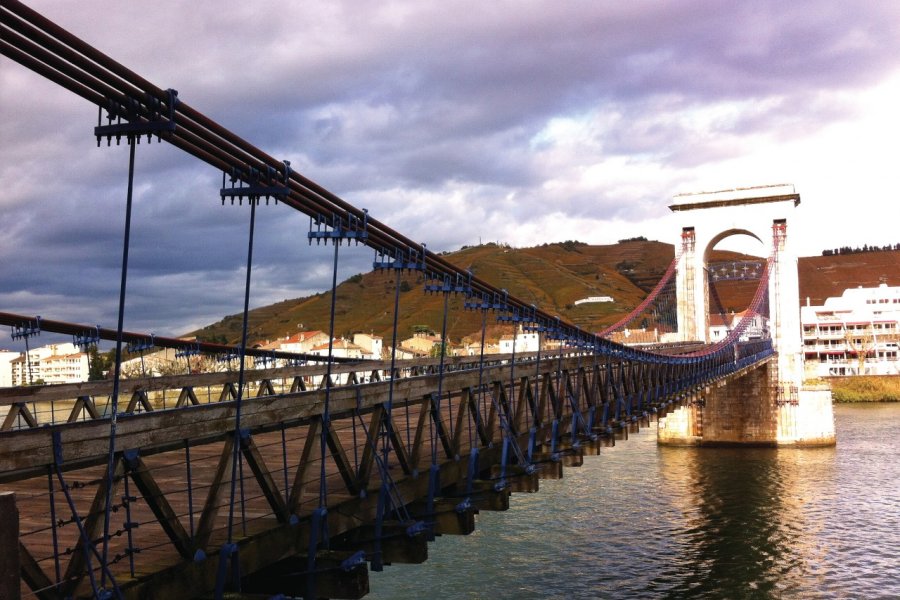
x=748 y=411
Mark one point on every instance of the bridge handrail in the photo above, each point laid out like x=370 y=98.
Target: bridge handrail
x=417 y=367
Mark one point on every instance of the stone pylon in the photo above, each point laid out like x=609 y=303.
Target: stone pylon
x=794 y=413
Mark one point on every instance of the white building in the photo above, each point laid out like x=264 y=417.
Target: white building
x=855 y=334
x=522 y=342
x=155 y=363
x=302 y=341
x=340 y=348
x=372 y=345
x=53 y=363
x=593 y=299
x=6 y=369
x=721 y=325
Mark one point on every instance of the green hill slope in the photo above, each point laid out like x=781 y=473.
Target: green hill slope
x=552 y=276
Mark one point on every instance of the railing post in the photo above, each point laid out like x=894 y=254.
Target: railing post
x=9 y=546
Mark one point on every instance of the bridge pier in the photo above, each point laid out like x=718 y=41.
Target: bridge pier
x=750 y=410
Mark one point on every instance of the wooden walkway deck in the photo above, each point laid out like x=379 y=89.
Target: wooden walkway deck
x=171 y=503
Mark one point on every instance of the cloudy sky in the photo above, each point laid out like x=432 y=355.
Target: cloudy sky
x=454 y=122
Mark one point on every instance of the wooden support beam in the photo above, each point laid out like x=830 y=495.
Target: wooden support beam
x=461 y=420
x=518 y=479
x=264 y=478
x=439 y=428
x=399 y=544
x=421 y=426
x=19 y=409
x=367 y=461
x=484 y=496
x=304 y=475
x=9 y=546
x=298 y=385
x=186 y=396
x=451 y=516
x=138 y=397
x=214 y=497
x=93 y=524
x=83 y=403
x=478 y=417
x=290 y=577
x=156 y=500
x=399 y=447
x=33 y=576
x=229 y=392
x=548 y=468
x=265 y=388
x=339 y=455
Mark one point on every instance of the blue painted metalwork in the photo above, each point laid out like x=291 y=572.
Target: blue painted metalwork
x=26 y=330
x=88 y=546
x=254 y=183
x=629 y=388
x=133 y=118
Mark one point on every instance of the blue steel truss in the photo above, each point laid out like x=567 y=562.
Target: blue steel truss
x=482 y=427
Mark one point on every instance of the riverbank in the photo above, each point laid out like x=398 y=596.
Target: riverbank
x=882 y=388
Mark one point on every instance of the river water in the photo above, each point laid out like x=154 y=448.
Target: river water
x=641 y=521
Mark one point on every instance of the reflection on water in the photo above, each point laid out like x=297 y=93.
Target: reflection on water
x=661 y=522
x=746 y=531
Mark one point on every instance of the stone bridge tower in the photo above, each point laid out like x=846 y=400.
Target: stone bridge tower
x=770 y=405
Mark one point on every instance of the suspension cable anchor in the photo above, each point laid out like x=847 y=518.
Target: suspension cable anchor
x=133 y=118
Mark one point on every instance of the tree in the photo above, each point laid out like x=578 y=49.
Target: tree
x=98 y=364
x=863 y=344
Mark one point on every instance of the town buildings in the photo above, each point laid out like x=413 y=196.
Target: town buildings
x=855 y=334
x=53 y=363
x=520 y=342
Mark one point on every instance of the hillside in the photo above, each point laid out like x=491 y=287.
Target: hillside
x=824 y=276
x=552 y=276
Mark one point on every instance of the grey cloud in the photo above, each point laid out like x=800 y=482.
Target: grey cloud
x=366 y=98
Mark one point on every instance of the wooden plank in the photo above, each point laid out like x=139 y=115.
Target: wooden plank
x=461 y=420
x=85 y=442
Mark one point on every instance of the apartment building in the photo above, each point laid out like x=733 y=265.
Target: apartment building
x=855 y=334
x=53 y=363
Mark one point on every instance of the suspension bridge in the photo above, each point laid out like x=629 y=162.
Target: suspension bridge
x=297 y=478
